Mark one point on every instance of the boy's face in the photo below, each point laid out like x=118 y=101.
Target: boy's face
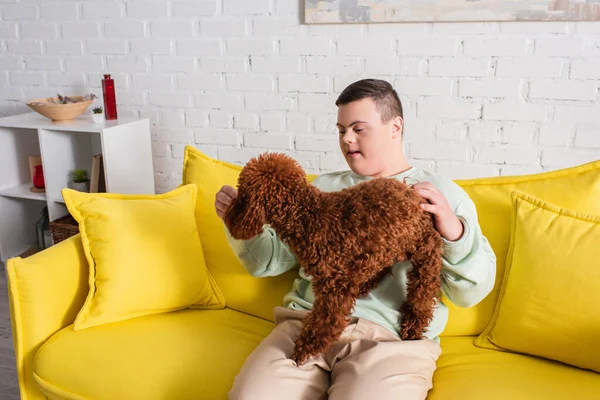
x=370 y=146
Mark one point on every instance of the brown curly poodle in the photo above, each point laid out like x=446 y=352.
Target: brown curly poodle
x=347 y=241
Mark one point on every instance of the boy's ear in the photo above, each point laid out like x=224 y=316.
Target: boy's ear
x=398 y=126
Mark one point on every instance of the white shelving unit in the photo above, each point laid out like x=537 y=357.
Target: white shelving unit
x=125 y=145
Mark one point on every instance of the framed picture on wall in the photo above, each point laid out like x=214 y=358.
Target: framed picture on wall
x=351 y=11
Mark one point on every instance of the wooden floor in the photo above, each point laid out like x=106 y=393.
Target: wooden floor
x=9 y=387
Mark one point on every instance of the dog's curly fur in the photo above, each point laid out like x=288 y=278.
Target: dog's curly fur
x=347 y=241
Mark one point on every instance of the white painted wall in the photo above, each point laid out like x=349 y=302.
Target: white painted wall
x=237 y=77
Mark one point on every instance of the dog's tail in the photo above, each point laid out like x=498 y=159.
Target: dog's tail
x=423 y=287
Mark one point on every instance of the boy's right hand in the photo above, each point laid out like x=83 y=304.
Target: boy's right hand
x=223 y=198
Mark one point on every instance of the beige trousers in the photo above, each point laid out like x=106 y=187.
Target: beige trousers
x=368 y=362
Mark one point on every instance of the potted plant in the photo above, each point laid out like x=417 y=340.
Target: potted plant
x=97 y=114
x=80 y=180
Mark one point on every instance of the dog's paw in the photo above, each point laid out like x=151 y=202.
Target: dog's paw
x=298 y=358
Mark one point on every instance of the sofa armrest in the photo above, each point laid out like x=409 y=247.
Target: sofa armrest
x=46 y=291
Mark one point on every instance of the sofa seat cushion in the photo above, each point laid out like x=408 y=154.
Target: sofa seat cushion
x=195 y=354
x=467 y=372
x=190 y=354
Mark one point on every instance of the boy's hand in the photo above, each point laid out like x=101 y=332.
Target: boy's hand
x=223 y=198
x=446 y=222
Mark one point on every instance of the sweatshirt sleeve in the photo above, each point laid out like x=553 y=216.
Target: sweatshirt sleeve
x=469 y=264
x=264 y=254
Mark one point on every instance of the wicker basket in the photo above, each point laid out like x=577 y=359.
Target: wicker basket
x=63 y=228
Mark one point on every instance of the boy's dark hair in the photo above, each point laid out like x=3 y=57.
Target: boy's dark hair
x=381 y=92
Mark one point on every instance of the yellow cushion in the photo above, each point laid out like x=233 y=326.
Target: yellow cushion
x=465 y=372
x=243 y=292
x=548 y=301
x=189 y=354
x=144 y=254
x=576 y=188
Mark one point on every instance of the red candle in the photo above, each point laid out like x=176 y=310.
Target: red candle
x=110 y=101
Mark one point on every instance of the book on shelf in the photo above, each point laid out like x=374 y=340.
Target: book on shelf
x=97 y=181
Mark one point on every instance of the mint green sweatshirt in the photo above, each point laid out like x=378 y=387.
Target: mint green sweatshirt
x=468 y=272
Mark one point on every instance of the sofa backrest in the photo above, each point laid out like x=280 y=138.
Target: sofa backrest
x=577 y=188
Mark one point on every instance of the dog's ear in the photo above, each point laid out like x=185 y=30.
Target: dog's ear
x=244 y=220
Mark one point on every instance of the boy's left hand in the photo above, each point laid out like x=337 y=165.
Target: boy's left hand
x=446 y=222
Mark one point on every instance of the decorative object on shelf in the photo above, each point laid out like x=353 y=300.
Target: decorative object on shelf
x=349 y=11
x=80 y=180
x=97 y=114
x=61 y=108
x=110 y=99
x=38 y=178
x=37 y=174
x=63 y=228
x=42 y=228
x=97 y=181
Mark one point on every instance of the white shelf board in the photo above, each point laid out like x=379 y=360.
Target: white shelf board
x=83 y=123
x=23 y=192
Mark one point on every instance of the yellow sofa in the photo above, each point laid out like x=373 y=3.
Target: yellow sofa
x=195 y=354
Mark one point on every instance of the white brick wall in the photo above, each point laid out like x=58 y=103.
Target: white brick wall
x=59 y=11
x=238 y=77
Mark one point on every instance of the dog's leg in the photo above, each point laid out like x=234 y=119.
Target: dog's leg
x=423 y=288
x=366 y=287
x=325 y=323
